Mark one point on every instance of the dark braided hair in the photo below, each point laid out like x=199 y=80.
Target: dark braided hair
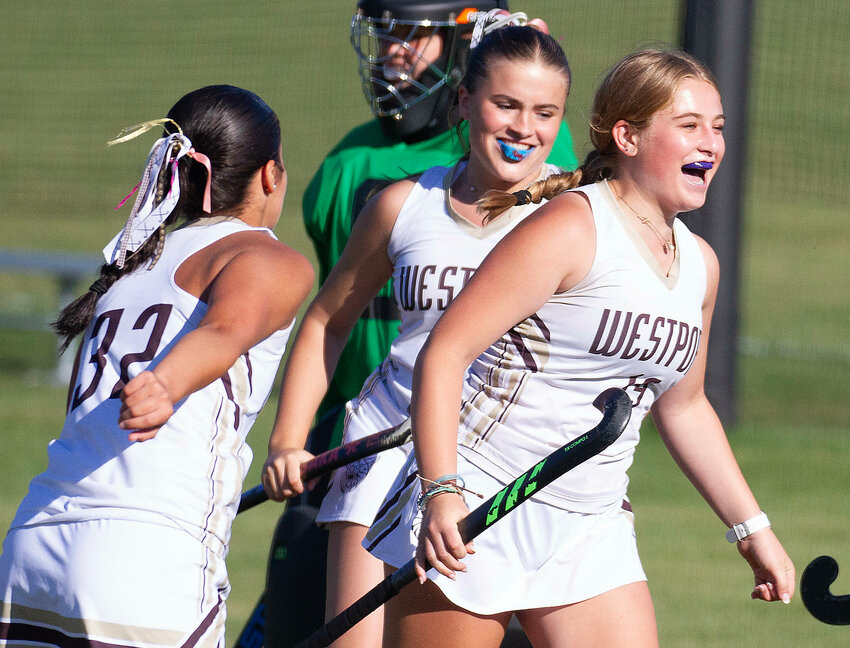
x=239 y=133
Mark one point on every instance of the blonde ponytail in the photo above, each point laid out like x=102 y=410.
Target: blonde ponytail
x=496 y=202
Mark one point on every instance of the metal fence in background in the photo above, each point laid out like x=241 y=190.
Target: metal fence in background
x=72 y=75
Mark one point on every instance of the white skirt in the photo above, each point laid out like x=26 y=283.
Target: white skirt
x=355 y=491
x=537 y=556
x=112 y=581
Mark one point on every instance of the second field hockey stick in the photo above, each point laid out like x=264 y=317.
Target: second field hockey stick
x=333 y=459
x=616 y=410
x=814 y=590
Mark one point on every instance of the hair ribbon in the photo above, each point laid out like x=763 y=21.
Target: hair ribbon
x=146 y=218
x=487 y=21
x=203 y=159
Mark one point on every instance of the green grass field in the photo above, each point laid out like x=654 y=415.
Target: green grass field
x=74 y=74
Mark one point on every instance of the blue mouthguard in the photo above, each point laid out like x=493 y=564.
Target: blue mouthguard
x=513 y=153
x=699 y=166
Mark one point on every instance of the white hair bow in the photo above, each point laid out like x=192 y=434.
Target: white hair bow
x=145 y=217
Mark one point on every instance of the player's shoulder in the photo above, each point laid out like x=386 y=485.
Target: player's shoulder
x=392 y=197
x=261 y=244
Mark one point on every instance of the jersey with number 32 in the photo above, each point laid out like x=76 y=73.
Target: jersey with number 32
x=191 y=473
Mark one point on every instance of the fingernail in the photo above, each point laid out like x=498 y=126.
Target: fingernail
x=421 y=580
x=786 y=598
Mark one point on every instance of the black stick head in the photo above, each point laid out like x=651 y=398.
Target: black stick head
x=814 y=590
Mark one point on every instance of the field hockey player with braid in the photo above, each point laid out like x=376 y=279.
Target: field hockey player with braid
x=427 y=234
x=602 y=287
x=411 y=56
x=121 y=541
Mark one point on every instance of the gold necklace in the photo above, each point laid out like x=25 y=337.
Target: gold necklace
x=667 y=244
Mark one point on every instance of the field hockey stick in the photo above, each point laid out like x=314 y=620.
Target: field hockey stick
x=814 y=590
x=333 y=459
x=616 y=410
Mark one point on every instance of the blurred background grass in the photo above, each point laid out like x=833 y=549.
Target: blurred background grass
x=73 y=74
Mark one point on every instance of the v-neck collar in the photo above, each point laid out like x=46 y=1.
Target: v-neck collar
x=495 y=224
x=630 y=228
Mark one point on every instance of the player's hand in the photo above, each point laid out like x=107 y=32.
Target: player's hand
x=772 y=568
x=145 y=406
x=440 y=544
x=281 y=476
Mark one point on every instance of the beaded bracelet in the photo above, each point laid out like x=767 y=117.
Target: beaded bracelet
x=445 y=484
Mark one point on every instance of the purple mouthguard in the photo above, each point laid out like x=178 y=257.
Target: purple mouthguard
x=699 y=166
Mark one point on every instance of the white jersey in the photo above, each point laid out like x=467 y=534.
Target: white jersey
x=190 y=475
x=624 y=325
x=434 y=252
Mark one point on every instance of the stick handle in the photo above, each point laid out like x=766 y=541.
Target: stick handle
x=251 y=497
x=616 y=410
x=360 y=609
x=333 y=459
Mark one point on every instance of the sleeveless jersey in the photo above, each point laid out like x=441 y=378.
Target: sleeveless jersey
x=190 y=474
x=365 y=160
x=623 y=325
x=434 y=252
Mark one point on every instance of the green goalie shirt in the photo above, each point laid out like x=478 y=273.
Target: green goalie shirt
x=365 y=161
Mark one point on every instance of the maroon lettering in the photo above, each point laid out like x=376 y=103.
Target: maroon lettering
x=161 y=312
x=608 y=349
x=600 y=331
x=406 y=291
x=635 y=335
x=672 y=324
x=640 y=388
x=444 y=285
x=655 y=338
x=691 y=354
x=98 y=359
x=681 y=342
x=113 y=318
x=424 y=304
x=415 y=284
x=623 y=334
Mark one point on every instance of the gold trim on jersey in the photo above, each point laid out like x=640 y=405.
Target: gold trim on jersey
x=101 y=630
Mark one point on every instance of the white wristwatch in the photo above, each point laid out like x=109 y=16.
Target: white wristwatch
x=747 y=527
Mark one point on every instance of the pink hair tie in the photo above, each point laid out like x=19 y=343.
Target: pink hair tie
x=203 y=159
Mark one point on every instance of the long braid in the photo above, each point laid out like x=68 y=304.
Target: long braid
x=596 y=166
x=75 y=317
x=496 y=202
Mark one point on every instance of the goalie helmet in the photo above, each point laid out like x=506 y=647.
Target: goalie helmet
x=412 y=56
